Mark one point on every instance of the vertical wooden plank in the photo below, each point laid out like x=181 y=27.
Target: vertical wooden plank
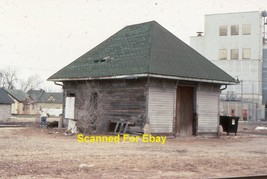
x=178 y=110
x=187 y=111
x=184 y=110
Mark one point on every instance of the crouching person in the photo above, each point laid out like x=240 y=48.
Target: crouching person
x=43 y=118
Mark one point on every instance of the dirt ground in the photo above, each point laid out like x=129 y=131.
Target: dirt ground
x=41 y=153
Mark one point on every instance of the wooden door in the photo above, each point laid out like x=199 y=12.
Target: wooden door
x=184 y=111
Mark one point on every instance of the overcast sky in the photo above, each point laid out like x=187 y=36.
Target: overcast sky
x=43 y=36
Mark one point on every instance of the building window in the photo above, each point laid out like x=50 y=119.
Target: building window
x=246 y=29
x=223 y=30
x=26 y=107
x=246 y=53
x=234 y=29
x=234 y=54
x=223 y=54
x=94 y=100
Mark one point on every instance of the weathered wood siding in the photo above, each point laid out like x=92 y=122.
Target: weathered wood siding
x=208 y=107
x=150 y=100
x=125 y=100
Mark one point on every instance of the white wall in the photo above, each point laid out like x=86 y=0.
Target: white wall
x=247 y=70
x=5 y=112
x=14 y=106
x=198 y=43
x=161 y=109
x=69 y=107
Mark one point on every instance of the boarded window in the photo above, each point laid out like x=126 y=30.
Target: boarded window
x=246 y=29
x=246 y=53
x=223 y=30
x=70 y=106
x=222 y=54
x=234 y=54
x=234 y=29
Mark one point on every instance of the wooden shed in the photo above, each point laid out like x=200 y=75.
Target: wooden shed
x=148 y=76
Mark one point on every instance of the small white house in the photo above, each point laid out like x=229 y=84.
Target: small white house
x=5 y=105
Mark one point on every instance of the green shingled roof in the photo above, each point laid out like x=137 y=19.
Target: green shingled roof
x=4 y=97
x=42 y=96
x=146 y=48
x=17 y=94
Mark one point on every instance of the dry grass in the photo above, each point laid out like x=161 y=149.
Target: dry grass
x=42 y=153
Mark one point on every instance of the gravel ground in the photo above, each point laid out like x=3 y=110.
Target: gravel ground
x=46 y=153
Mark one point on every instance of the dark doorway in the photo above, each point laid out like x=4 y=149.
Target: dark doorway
x=184 y=111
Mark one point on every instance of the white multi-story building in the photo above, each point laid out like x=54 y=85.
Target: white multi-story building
x=234 y=42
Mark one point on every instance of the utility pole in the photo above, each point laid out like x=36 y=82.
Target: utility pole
x=242 y=110
x=253 y=105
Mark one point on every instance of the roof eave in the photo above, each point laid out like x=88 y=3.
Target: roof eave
x=194 y=79
x=146 y=75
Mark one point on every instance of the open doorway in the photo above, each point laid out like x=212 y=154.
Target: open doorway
x=184 y=111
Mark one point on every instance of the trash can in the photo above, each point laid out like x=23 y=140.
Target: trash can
x=229 y=124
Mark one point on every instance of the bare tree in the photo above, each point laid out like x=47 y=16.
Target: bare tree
x=91 y=101
x=8 y=78
x=33 y=82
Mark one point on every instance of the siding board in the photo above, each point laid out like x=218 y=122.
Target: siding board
x=208 y=109
x=161 y=109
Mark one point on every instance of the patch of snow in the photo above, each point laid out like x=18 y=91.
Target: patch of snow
x=261 y=128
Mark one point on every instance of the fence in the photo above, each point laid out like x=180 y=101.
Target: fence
x=246 y=111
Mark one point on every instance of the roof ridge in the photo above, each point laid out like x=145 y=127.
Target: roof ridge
x=143 y=23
